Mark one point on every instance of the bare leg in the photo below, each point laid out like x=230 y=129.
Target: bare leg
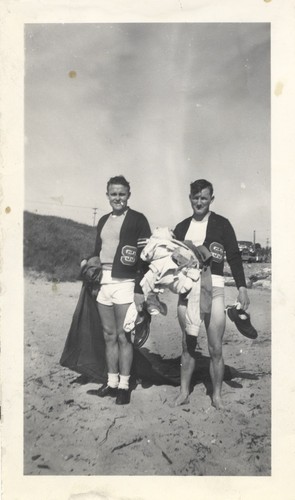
x=215 y=326
x=125 y=347
x=187 y=362
x=108 y=320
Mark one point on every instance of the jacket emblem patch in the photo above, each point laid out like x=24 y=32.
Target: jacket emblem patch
x=128 y=255
x=217 y=251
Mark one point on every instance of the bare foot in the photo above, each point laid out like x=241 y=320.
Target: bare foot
x=218 y=403
x=182 y=399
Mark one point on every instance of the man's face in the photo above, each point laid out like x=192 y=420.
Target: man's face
x=201 y=202
x=118 y=196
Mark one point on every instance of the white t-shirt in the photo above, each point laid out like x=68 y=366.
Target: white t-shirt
x=197 y=231
x=110 y=236
x=197 y=234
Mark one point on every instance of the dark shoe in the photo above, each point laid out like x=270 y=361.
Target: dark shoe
x=242 y=322
x=154 y=305
x=105 y=390
x=123 y=397
x=141 y=331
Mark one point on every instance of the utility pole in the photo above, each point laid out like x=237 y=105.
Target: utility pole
x=254 y=237
x=94 y=215
x=267 y=242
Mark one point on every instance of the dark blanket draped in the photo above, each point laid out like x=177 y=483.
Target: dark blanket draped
x=84 y=350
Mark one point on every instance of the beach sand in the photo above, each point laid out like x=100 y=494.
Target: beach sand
x=70 y=432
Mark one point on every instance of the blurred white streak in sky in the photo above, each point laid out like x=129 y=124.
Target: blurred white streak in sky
x=162 y=104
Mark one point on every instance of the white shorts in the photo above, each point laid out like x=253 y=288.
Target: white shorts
x=217 y=280
x=116 y=293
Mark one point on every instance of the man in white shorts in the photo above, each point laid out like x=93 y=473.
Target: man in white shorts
x=121 y=235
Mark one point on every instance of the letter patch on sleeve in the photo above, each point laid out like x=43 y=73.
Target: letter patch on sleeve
x=217 y=251
x=128 y=255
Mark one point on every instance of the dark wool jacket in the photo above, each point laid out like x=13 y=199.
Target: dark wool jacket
x=134 y=232
x=220 y=238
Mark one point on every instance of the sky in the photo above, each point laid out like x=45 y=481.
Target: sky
x=161 y=104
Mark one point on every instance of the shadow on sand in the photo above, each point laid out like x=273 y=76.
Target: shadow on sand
x=151 y=369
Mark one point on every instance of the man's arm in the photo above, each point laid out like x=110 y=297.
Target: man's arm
x=243 y=298
x=144 y=234
x=236 y=265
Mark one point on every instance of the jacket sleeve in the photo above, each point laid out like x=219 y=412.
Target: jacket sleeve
x=233 y=254
x=144 y=233
x=176 y=233
x=181 y=229
x=97 y=246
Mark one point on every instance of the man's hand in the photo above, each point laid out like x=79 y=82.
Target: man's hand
x=243 y=298
x=139 y=300
x=83 y=263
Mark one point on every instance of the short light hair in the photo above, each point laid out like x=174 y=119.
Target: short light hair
x=118 y=179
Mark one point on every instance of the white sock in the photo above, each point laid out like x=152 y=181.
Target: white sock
x=124 y=382
x=113 y=380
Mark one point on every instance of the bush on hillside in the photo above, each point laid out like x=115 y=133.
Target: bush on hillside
x=55 y=246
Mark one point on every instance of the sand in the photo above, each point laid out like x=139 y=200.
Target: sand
x=70 y=432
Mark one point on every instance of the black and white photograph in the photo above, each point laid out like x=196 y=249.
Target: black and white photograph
x=145 y=272
x=138 y=138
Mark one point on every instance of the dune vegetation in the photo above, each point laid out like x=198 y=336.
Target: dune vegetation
x=54 y=246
